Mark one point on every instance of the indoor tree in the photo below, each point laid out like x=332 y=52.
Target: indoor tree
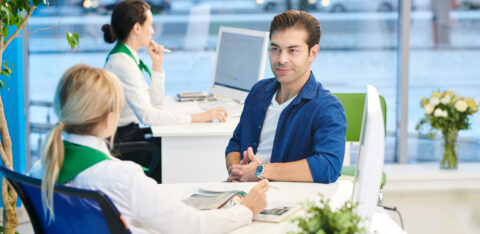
x=14 y=15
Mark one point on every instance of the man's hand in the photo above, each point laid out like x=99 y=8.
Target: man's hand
x=245 y=171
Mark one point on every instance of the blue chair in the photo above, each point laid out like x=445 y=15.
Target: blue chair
x=76 y=210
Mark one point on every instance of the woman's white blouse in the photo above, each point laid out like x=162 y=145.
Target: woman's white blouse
x=146 y=206
x=143 y=100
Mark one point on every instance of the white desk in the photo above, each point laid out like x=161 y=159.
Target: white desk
x=338 y=192
x=193 y=152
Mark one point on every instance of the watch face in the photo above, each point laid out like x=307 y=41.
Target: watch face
x=259 y=172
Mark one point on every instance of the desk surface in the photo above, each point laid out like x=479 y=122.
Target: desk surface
x=338 y=192
x=195 y=129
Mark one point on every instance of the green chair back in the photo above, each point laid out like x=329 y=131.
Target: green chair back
x=354 y=104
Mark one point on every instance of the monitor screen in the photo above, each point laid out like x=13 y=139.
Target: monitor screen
x=241 y=56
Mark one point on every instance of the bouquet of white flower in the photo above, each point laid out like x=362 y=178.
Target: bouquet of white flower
x=449 y=113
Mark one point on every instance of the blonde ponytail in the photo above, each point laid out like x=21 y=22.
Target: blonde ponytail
x=53 y=152
x=84 y=98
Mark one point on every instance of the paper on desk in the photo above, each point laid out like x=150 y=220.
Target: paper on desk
x=219 y=187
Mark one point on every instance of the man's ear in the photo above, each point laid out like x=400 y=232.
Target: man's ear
x=314 y=52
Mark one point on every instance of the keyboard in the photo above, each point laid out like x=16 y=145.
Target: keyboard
x=234 y=109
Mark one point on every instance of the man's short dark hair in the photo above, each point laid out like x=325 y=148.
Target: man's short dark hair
x=297 y=19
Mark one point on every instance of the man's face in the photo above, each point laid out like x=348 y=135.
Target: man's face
x=290 y=59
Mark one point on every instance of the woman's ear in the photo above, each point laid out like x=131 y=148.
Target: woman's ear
x=136 y=28
x=111 y=121
x=110 y=125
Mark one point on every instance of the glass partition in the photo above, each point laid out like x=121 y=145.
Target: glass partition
x=358 y=47
x=444 y=56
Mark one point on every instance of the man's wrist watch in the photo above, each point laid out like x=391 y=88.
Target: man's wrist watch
x=259 y=172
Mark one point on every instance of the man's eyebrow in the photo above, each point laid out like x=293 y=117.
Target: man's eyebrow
x=290 y=47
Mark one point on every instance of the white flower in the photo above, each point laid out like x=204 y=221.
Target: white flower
x=434 y=101
x=445 y=100
x=440 y=113
x=429 y=109
x=461 y=106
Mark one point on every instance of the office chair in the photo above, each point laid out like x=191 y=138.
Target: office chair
x=76 y=210
x=354 y=103
x=145 y=153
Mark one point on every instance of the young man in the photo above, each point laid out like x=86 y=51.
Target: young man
x=291 y=129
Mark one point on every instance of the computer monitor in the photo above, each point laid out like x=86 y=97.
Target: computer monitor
x=240 y=62
x=368 y=174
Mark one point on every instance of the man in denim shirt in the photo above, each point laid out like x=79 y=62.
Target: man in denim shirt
x=291 y=128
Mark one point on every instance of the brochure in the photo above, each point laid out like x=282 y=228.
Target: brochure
x=211 y=197
x=211 y=200
x=277 y=212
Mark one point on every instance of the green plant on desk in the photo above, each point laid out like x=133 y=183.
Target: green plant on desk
x=322 y=219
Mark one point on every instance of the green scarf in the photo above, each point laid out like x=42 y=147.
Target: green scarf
x=122 y=48
x=78 y=158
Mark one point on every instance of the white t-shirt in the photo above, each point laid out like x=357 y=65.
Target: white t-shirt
x=267 y=136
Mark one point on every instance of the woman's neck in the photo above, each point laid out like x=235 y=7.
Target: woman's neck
x=132 y=44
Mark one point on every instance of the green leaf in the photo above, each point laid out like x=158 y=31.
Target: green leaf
x=20 y=20
x=76 y=36
x=37 y=2
x=323 y=219
x=8 y=65
x=4 y=83
x=5 y=32
x=14 y=8
x=73 y=40
x=6 y=72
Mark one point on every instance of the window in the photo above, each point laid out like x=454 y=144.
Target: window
x=358 y=47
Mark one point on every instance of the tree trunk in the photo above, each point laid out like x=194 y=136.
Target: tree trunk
x=9 y=196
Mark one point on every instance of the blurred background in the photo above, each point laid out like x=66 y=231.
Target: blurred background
x=359 y=46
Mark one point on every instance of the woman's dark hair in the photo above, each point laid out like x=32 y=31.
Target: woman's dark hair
x=125 y=15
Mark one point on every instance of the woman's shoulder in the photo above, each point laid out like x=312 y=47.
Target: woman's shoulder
x=119 y=60
x=109 y=173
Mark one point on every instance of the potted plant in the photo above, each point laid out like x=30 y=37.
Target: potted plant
x=14 y=14
x=323 y=219
x=447 y=113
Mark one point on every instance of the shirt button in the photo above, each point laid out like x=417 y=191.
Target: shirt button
x=259 y=126
x=255 y=144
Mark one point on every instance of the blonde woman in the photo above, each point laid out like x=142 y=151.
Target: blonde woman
x=88 y=103
x=132 y=28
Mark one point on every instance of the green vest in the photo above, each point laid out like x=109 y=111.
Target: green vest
x=122 y=48
x=78 y=158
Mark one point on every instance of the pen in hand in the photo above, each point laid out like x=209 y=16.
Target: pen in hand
x=167 y=50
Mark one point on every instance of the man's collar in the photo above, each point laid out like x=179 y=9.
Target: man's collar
x=308 y=90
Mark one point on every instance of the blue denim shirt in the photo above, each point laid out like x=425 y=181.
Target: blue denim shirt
x=312 y=127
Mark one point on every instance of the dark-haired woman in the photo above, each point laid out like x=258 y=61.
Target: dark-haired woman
x=131 y=27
